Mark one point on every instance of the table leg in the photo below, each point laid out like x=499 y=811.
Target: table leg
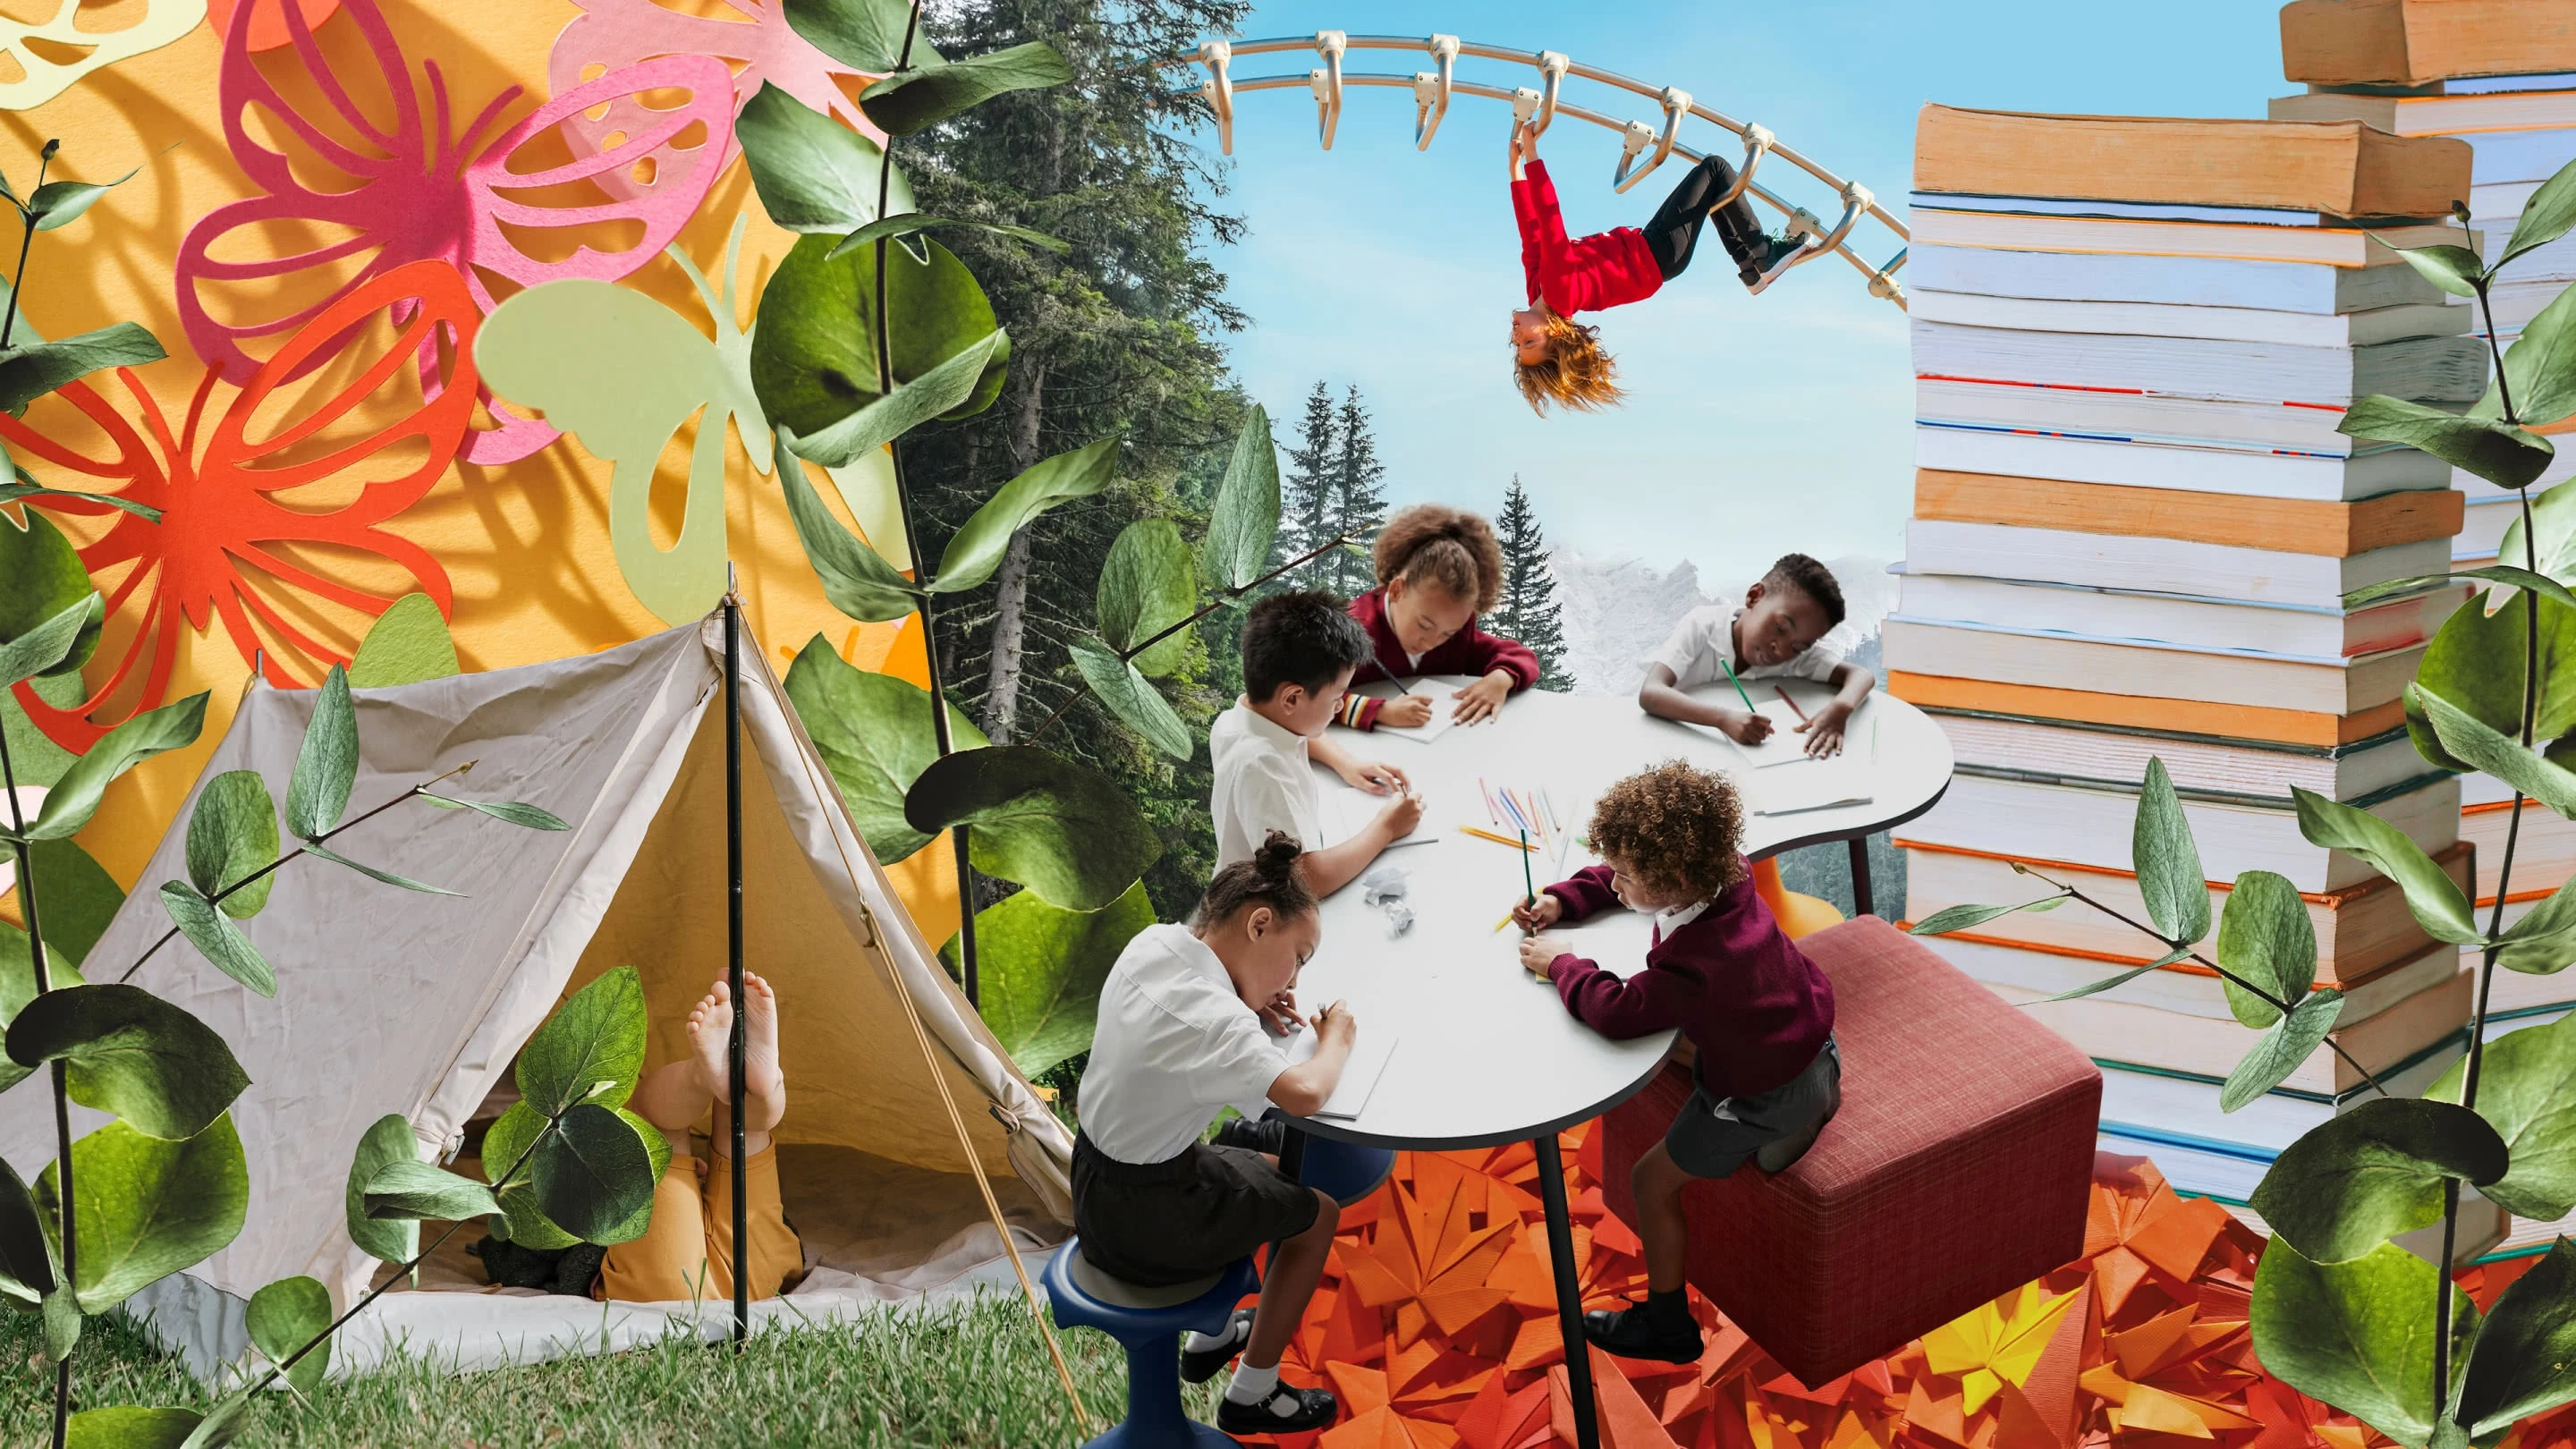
x=1860 y=875
x=1569 y=1293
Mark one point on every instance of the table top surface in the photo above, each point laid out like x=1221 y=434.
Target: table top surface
x=1484 y=1052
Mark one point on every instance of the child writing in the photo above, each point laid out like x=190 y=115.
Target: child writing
x=1758 y=1015
x=1787 y=627
x=1437 y=569
x=1298 y=653
x=1556 y=359
x=1180 y=1036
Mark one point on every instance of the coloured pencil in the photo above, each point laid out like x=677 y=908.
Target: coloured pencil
x=1492 y=816
x=1489 y=835
x=1544 y=798
x=1505 y=921
x=1528 y=881
x=1739 y=685
x=1793 y=704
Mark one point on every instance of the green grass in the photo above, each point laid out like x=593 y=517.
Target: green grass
x=969 y=1375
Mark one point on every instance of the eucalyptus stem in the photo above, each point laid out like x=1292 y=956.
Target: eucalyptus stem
x=9 y=322
x=62 y=1097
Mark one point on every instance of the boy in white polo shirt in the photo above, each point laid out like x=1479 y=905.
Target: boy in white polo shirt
x=1299 y=650
x=1181 y=1034
x=1789 y=626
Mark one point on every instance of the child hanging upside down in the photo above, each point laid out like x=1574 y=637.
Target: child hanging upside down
x=1556 y=359
x=1757 y=1013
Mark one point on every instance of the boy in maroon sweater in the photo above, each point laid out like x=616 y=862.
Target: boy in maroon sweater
x=1758 y=1015
x=1437 y=569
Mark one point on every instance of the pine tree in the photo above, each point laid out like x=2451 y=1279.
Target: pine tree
x=1359 y=498
x=1306 y=494
x=1529 y=611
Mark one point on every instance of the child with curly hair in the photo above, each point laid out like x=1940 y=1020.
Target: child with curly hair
x=1759 y=1016
x=1437 y=569
x=1558 y=360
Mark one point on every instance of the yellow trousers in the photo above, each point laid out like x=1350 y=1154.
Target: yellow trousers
x=687 y=1253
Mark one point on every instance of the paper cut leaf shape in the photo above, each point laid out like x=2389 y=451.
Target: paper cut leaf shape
x=43 y=76
x=761 y=46
x=268 y=28
x=623 y=374
x=251 y=525
x=424 y=189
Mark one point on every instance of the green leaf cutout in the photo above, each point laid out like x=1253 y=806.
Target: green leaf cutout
x=2361 y=1178
x=1041 y=969
x=326 y=764
x=875 y=736
x=594 y=1173
x=148 y=1208
x=2265 y=936
x=2168 y=862
x=286 y=1315
x=388 y=1141
x=596 y=1036
x=2525 y=1362
x=408 y=643
x=865 y=35
x=126 y=1051
x=216 y=937
x=2280 y=1049
x=2502 y=454
x=813 y=353
x=2527 y=1092
x=1148 y=583
x=1064 y=830
x=813 y=173
x=2431 y=894
x=913 y=101
x=48 y=644
x=1134 y=699
x=977 y=548
x=40 y=577
x=2356 y=1335
x=232 y=834
x=30 y=370
x=75 y=797
x=413 y=1190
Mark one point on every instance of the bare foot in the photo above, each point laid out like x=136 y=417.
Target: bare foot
x=710 y=1040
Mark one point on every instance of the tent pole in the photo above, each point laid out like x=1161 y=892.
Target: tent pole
x=733 y=951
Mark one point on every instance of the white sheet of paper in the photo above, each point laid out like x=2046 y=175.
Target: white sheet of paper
x=1344 y=812
x=1444 y=710
x=1784 y=745
x=1368 y=1059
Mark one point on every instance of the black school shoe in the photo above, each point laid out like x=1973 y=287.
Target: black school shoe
x=1200 y=1365
x=1315 y=1409
x=1626 y=1333
x=1253 y=1134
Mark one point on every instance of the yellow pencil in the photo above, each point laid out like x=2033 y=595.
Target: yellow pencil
x=1497 y=839
x=1505 y=921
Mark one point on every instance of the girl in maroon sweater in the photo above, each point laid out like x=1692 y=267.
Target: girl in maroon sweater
x=1758 y=1014
x=1556 y=359
x=1437 y=569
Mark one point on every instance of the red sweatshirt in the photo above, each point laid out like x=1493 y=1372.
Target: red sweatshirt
x=1471 y=651
x=1752 y=1003
x=1607 y=269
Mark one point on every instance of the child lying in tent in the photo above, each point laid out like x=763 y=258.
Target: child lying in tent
x=686 y=1254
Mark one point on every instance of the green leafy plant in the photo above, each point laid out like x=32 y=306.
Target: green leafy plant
x=2340 y=1311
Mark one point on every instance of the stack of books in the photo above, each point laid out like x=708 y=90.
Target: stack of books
x=2134 y=531
x=2499 y=75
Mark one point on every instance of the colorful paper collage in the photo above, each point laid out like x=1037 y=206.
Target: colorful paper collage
x=66 y=50
x=1437 y=1326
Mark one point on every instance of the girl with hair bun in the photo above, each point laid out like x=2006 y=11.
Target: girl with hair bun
x=1185 y=1029
x=1437 y=569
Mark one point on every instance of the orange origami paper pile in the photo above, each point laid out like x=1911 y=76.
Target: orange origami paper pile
x=1436 y=1325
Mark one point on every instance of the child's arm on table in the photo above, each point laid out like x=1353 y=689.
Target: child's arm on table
x=1658 y=998
x=1302 y=1090
x=1373 y=776
x=1661 y=696
x=1504 y=666
x=1824 y=728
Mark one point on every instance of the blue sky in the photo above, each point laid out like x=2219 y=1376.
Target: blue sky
x=1755 y=424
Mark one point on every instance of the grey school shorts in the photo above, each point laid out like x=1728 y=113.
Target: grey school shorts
x=1712 y=1136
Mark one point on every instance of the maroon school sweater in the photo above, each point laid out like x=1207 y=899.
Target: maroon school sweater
x=1752 y=1003
x=1586 y=274
x=1471 y=651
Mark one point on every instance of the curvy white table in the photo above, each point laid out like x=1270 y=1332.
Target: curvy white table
x=1484 y=1052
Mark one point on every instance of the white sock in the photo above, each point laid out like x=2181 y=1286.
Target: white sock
x=1253 y=1385
x=1235 y=1333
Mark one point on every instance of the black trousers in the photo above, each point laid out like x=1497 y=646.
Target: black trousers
x=1674 y=231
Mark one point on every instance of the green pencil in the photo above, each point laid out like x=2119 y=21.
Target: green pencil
x=1528 y=881
x=1739 y=686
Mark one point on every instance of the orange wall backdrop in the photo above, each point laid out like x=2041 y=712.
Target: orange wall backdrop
x=526 y=544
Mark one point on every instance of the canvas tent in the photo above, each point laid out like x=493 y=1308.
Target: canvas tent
x=392 y=1001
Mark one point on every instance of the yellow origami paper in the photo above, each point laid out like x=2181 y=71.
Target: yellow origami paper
x=41 y=77
x=1987 y=1348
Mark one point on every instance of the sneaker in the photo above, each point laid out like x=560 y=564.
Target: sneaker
x=1288 y=1410
x=1626 y=1333
x=1200 y=1365
x=1776 y=255
x=1254 y=1134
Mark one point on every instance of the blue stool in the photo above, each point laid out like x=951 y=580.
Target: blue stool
x=1148 y=1323
x=1345 y=1171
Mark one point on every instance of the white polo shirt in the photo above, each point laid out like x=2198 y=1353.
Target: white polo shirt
x=1174 y=1044
x=1706 y=635
x=1263 y=783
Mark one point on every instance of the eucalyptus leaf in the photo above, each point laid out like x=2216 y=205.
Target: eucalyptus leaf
x=2525 y=1362
x=597 y=1035
x=48 y=644
x=147 y=1208
x=2502 y=454
x=977 y=547
x=60 y=203
x=1243 y=522
x=1148 y=584
x=223 y=1423
x=507 y=1142
x=657 y=1151
x=286 y=1315
x=526 y=817
x=2280 y=1049
x=217 y=938
x=1041 y=969
x=41 y=576
x=389 y=1140
x=18 y=988
x=865 y=35
x=12 y=492
x=1064 y=830
x=934 y=394
x=63 y=1323
x=594 y=1173
x=408 y=644
x=1133 y=699
x=30 y=370
x=2465 y=737
x=2362 y=1177
x=2546 y=216
x=856 y=579
x=813 y=173
x=2125 y=977
x=232 y=834
x=2540 y=366
x=75 y=797
x=26 y=1262
x=2506 y=577
x=2357 y=1335
x=913 y=224
x=813 y=351
x=2476 y=662
x=2543 y=942
x=913 y=101
x=2553 y=523
x=414 y=1190
x=2527 y=1092
x=875 y=735
x=2431 y=894
x=76 y=898
x=131 y=1426
x=2265 y=936
x=377 y=873
x=2168 y=862
x=1967 y=917
x=2455 y=269
x=326 y=764
x=128 y=1052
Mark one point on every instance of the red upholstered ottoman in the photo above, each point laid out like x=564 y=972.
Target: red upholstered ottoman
x=1957 y=1169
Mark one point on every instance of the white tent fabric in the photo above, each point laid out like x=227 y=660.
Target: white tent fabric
x=394 y=1001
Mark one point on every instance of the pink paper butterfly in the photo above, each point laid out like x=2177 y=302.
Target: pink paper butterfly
x=611 y=34
x=424 y=192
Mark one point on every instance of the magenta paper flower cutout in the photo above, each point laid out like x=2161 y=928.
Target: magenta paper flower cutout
x=423 y=191
x=611 y=34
